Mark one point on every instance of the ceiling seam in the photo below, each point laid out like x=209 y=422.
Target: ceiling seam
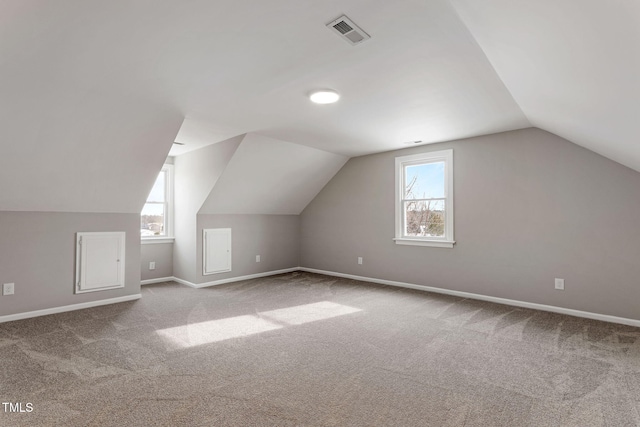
x=475 y=40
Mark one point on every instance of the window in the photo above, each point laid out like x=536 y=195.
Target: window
x=157 y=214
x=424 y=199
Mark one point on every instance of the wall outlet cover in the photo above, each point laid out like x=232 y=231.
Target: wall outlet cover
x=8 y=288
x=559 y=284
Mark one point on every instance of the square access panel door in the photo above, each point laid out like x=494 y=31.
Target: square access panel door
x=216 y=250
x=100 y=261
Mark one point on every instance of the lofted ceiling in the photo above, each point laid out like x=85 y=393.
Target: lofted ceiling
x=268 y=176
x=421 y=76
x=93 y=93
x=573 y=66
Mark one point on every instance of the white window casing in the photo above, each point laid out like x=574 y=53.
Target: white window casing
x=401 y=238
x=167 y=235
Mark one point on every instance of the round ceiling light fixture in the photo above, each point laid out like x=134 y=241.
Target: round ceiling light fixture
x=324 y=96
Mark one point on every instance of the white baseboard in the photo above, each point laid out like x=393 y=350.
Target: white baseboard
x=72 y=307
x=158 y=280
x=235 y=279
x=516 y=303
x=184 y=282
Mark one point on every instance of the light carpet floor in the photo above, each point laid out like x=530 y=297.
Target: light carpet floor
x=303 y=349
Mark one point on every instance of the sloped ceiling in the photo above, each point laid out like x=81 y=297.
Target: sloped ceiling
x=196 y=174
x=573 y=66
x=93 y=92
x=421 y=76
x=82 y=114
x=268 y=176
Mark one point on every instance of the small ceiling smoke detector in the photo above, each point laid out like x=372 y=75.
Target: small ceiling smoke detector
x=347 y=30
x=324 y=96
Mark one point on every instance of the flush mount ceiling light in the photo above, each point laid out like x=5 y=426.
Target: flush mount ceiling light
x=324 y=96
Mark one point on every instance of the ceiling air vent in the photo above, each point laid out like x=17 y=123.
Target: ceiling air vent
x=346 y=29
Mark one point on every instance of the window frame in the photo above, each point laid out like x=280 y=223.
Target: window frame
x=168 y=236
x=446 y=156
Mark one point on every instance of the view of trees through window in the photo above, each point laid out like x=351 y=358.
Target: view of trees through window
x=153 y=215
x=424 y=200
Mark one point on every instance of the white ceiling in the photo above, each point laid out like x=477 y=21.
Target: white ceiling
x=421 y=76
x=268 y=176
x=573 y=66
x=93 y=92
x=82 y=113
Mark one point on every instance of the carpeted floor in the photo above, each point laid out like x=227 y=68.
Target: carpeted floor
x=302 y=349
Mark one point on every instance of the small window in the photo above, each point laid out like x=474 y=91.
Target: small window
x=424 y=199
x=157 y=214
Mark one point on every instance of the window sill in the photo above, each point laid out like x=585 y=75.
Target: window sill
x=433 y=243
x=156 y=240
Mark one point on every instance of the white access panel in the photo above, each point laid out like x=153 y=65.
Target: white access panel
x=99 y=261
x=216 y=250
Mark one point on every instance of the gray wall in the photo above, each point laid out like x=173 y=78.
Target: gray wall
x=276 y=238
x=162 y=255
x=37 y=253
x=195 y=174
x=529 y=207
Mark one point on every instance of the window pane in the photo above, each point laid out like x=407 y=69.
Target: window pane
x=152 y=220
x=425 y=181
x=424 y=218
x=157 y=192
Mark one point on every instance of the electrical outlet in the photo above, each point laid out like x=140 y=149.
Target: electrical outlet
x=360 y=260
x=152 y=265
x=560 y=284
x=8 y=288
x=257 y=258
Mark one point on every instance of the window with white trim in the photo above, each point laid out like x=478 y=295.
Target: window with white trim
x=424 y=199
x=156 y=218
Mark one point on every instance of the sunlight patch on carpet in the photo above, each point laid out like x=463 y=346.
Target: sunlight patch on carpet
x=241 y=326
